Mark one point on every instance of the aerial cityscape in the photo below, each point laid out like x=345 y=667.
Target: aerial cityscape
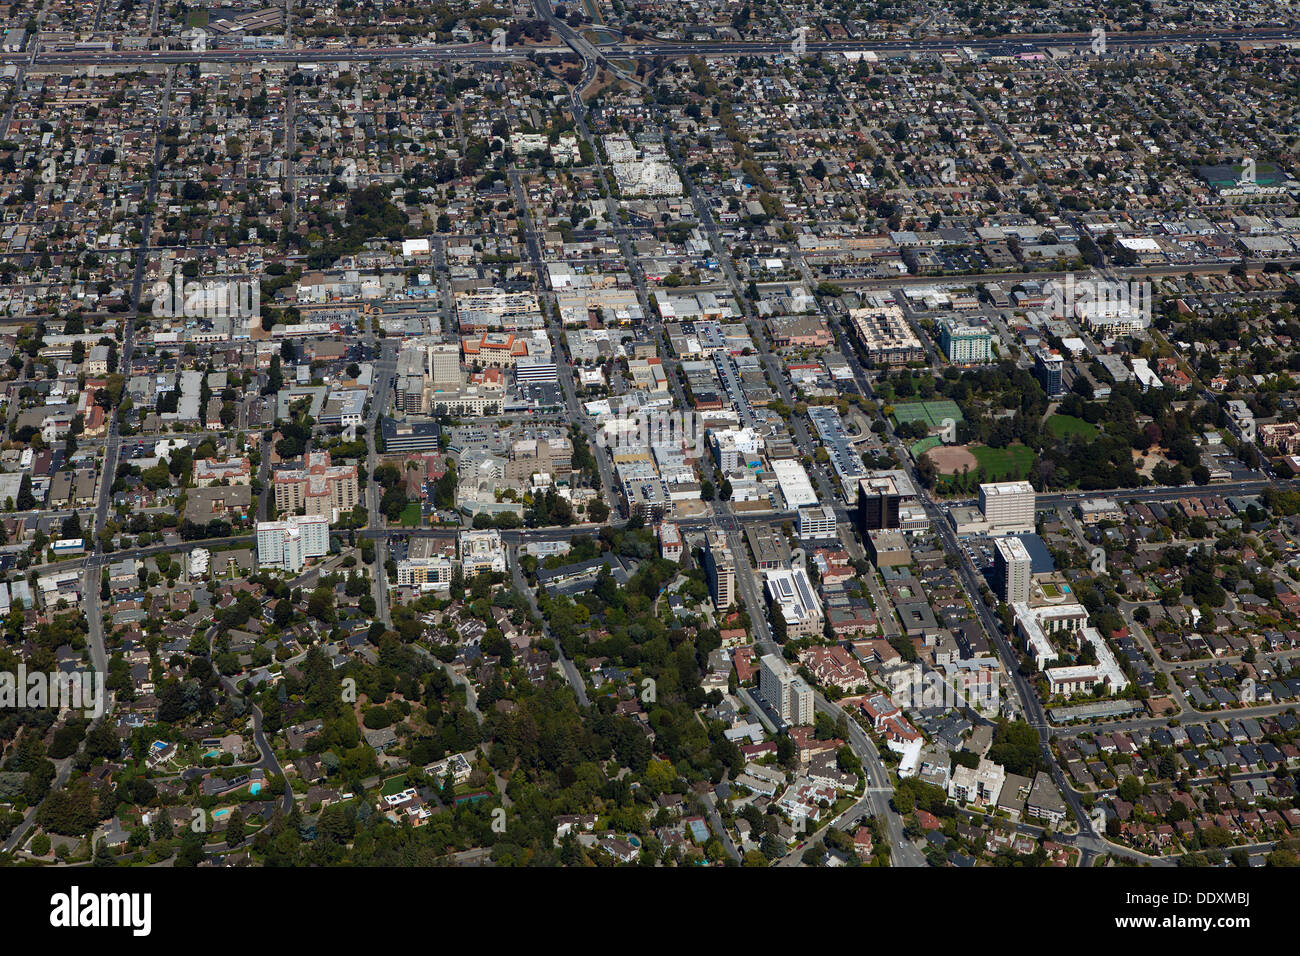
x=646 y=434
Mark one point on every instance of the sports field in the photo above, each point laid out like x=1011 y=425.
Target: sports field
x=930 y=414
x=962 y=467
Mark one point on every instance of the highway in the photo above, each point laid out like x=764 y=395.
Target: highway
x=1012 y=44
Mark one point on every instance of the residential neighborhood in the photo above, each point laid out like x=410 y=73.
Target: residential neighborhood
x=617 y=434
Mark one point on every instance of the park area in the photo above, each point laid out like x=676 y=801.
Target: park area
x=1067 y=426
x=962 y=468
x=411 y=517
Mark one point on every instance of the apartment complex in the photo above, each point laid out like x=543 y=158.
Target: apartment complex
x=1049 y=369
x=1013 y=569
x=492 y=310
x=427 y=565
x=482 y=551
x=964 y=344
x=784 y=691
x=208 y=472
x=317 y=488
x=885 y=336
x=289 y=544
x=721 y=568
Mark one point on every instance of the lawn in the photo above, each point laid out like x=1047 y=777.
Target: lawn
x=1065 y=426
x=1004 y=464
x=411 y=515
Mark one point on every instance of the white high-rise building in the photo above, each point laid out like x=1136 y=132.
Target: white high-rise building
x=1008 y=506
x=721 y=569
x=442 y=364
x=1014 y=569
x=784 y=691
x=289 y=543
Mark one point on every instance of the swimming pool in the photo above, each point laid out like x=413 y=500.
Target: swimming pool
x=255 y=789
x=223 y=812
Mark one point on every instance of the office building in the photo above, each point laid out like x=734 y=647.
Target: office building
x=1008 y=506
x=887 y=549
x=784 y=692
x=442 y=364
x=880 y=497
x=791 y=596
x=1013 y=569
x=540 y=456
x=817 y=523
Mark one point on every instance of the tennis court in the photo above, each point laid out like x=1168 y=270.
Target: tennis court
x=930 y=414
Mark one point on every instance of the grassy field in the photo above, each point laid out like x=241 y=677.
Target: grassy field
x=1066 y=426
x=411 y=515
x=1004 y=464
